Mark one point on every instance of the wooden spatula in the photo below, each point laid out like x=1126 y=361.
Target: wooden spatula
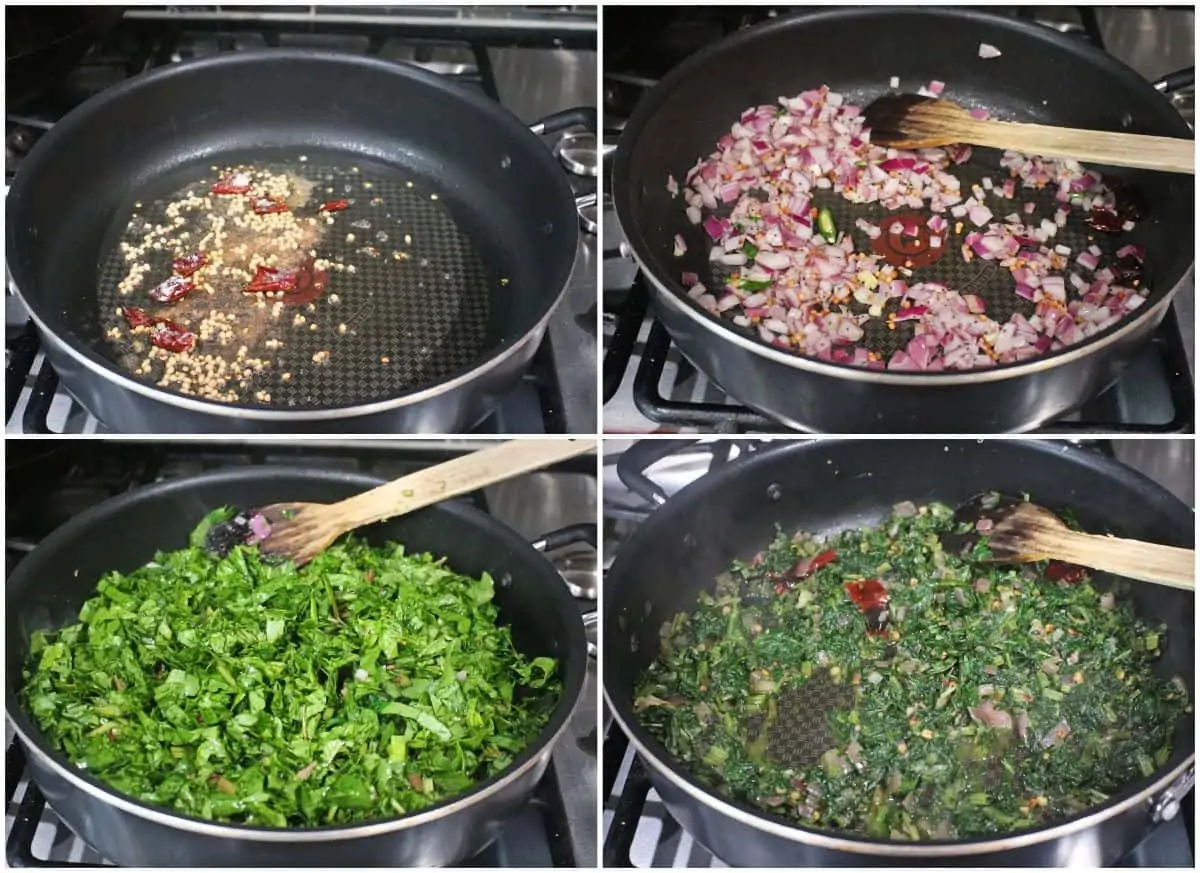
x=301 y=531
x=1018 y=532
x=909 y=121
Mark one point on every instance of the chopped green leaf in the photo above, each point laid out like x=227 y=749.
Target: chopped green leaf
x=239 y=689
x=220 y=515
x=993 y=699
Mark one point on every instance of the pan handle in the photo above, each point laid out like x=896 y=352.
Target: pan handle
x=639 y=457
x=1173 y=82
x=583 y=116
x=566 y=536
x=642 y=455
x=585 y=208
x=1167 y=805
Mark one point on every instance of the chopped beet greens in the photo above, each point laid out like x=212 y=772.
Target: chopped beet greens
x=366 y=685
x=969 y=699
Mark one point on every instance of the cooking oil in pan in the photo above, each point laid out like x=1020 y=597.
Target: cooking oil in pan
x=298 y=283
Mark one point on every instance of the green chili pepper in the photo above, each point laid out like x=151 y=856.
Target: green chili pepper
x=749 y=285
x=825 y=225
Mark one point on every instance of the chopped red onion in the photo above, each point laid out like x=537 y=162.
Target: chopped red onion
x=793 y=286
x=979 y=215
x=1134 y=251
x=728 y=302
x=260 y=529
x=773 y=260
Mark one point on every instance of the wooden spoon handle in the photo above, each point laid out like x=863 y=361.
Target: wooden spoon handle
x=455 y=477
x=1148 y=562
x=1095 y=146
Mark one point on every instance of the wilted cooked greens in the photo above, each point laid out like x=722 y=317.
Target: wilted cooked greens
x=954 y=699
x=366 y=685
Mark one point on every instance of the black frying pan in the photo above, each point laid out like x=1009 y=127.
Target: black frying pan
x=826 y=486
x=123 y=533
x=461 y=233
x=1042 y=76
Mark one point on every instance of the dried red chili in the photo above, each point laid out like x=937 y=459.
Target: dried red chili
x=1105 y=220
x=189 y=264
x=272 y=279
x=801 y=570
x=1061 y=571
x=175 y=288
x=1128 y=270
x=871 y=598
x=137 y=317
x=238 y=183
x=334 y=205
x=268 y=205
x=172 y=337
x=310 y=284
x=807 y=566
x=867 y=594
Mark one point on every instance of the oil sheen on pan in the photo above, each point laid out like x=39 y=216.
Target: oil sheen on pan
x=300 y=283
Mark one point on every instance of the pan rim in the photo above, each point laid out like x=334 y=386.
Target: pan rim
x=870 y=846
x=100 y=366
x=657 y=755
x=575 y=652
x=670 y=292
x=1002 y=372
